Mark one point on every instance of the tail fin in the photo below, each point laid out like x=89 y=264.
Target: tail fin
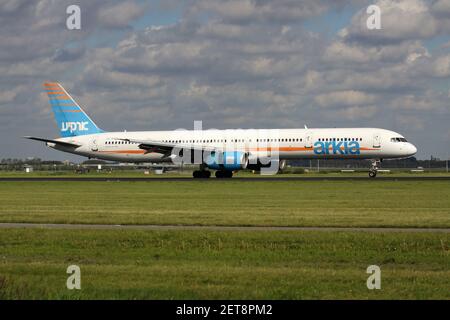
x=70 y=118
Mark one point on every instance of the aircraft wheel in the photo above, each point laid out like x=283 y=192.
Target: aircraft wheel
x=219 y=174
x=372 y=173
x=228 y=174
x=198 y=174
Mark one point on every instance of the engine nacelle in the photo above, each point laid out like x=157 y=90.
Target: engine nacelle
x=233 y=160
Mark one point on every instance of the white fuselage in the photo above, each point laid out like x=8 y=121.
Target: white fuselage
x=355 y=143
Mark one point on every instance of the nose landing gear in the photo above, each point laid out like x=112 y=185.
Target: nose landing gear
x=374 y=168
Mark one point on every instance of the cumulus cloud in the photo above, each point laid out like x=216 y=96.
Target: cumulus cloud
x=120 y=15
x=401 y=20
x=441 y=8
x=344 y=98
x=260 y=11
x=250 y=63
x=357 y=112
x=441 y=67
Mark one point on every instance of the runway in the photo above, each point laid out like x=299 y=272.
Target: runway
x=250 y=179
x=212 y=228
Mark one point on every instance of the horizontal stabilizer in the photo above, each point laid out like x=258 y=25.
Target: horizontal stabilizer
x=62 y=143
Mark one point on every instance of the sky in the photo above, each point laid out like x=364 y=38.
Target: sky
x=161 y=65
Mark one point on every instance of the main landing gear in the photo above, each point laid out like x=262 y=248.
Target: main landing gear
x=374 y=168
x=205 y=174
x=201 y=174
x=224 y=174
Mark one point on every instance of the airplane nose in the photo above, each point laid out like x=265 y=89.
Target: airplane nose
x=412 y=150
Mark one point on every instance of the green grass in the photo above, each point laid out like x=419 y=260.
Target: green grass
x=222 y=265
x=175 y=264
x=256 y=203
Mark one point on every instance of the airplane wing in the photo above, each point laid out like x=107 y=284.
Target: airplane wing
x=62 y=143
x=166 y=148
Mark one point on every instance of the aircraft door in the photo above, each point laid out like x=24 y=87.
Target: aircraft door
x=376 y=140
x=309 y=140
x=94 y=146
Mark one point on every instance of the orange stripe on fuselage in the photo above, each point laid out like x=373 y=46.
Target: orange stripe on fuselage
x=367 y=149
x=124 y=151
x=299 y=149
x=281 y=149
x=360 y=148
x=286 y=149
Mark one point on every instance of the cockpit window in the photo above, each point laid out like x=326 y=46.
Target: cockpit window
x=398 y=140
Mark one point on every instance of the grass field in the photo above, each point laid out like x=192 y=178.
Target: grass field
x=222 y=265
x=133 y=264
x=280 y=203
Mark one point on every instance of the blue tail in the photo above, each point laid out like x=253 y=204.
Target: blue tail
x=70 y=118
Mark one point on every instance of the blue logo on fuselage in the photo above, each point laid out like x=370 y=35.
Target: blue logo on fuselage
x=336 y=147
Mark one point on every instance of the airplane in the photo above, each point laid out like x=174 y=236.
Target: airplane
x=225 y=151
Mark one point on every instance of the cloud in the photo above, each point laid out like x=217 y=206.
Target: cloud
x=429 y=101
x=260 y=11
x=441 y=8
x=441 y=67
x=69 y=54
x=344 y=98
x=120 y=15
x=401 y=20
x=414 y=122
x=249 y=64
x=357 y=112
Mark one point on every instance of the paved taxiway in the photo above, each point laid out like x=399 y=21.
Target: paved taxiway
x=259 y=178
x=211 y=228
